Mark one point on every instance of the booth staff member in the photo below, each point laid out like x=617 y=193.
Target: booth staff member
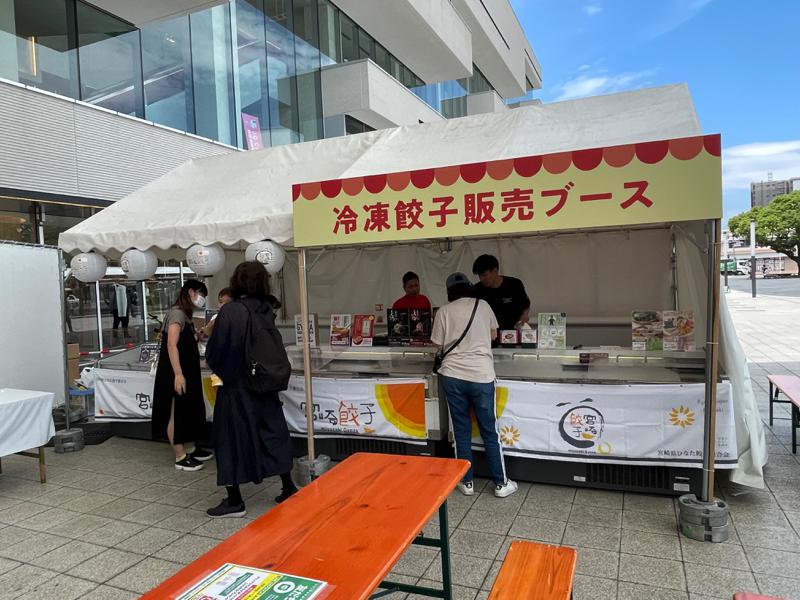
x=506 y=295
x=412 y=299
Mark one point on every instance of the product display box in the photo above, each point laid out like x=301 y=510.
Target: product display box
x=363 y=330
x=398 y=322
x=313 y=330
x=341 y=327
x=508 y=337
x=552 y=331
x=420 y=323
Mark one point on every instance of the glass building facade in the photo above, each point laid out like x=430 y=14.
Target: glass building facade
x=245 y=73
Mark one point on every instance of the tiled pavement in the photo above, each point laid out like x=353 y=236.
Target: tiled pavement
x=115 y=519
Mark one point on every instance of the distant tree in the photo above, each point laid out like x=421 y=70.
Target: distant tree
x=777 y=225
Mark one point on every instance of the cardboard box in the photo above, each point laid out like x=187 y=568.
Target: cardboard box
x=73 y=351
x=73 y=369
x=313 y=330
x=363 y=330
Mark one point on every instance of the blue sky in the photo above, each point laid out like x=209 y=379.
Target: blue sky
x=740 y=59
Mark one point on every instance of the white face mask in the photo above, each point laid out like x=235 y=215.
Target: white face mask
x=200 y=301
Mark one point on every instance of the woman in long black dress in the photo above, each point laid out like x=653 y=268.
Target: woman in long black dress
x=179 y=413
x=250 y=431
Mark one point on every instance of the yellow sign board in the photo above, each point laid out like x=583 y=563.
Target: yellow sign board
x=634 y=184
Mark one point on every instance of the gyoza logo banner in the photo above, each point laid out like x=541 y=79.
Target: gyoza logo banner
x=639 y=424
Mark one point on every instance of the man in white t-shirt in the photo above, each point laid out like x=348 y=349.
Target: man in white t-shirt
x=467 y=374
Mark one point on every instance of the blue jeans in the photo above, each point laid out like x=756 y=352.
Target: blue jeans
x=461 y=396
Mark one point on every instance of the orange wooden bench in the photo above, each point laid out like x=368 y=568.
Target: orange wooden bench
x=789 y=386
x=347 y=528
x=749 y=596
x=535 y=571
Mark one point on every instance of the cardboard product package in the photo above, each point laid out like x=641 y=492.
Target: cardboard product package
x=399 y=325
x=508 y=337
x=420 y=323
x=341 y=327
x=363 y=330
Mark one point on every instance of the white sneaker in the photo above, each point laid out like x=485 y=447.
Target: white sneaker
x=508 y=488
x=465 y=487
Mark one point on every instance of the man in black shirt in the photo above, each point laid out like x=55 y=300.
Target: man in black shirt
x=506 y=295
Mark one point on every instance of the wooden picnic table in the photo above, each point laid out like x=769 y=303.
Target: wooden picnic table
x=347 y=528
x=789 y=386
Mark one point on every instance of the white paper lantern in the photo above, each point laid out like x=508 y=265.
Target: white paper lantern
x=268 y=253
x=138 y=265
x=205 y=260
x=89 y=267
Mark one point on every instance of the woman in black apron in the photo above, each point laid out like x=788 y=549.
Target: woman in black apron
x=179 y=413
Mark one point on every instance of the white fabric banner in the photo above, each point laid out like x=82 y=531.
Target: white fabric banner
x=128 y=395
x=26 y=420
x=623 y=424
x=379 y=408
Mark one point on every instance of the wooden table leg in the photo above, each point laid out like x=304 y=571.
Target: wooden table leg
x=1 y=466
x=42 y=466
x=795 y=425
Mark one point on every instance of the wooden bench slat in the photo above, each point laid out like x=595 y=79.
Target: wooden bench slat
x=535 y=571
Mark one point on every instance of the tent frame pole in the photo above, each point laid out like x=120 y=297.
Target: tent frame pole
x=712 y=358
x=303 y=276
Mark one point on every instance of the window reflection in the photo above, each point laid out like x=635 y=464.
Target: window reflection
x=212 y=66
x=35 y=47
x=110 y=62
x=166 y=66
x=251 y=48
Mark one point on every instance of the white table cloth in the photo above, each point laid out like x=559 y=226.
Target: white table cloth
x=26 y=420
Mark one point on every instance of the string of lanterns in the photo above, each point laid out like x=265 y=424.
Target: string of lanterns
x=205 y=261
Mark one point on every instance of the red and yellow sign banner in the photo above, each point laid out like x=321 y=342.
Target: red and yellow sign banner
x=651 y=182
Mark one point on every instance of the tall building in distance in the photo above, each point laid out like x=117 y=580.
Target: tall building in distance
x=764 y=192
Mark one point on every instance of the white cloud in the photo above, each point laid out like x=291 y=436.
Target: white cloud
x=674 y=14
x=751 y=162
x=592 y=9
x=586 y=85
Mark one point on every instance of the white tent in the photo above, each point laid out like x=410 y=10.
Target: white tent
x=246 y=197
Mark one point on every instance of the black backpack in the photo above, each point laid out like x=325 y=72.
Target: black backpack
x=267 y=367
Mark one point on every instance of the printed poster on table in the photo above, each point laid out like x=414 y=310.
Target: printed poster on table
x=236 y=582
x=552 y=331
x=383 y=408
x=623 y=424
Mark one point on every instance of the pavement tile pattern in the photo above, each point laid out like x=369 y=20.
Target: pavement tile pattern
x=116 y=519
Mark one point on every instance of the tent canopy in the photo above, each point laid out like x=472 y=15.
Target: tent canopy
x=241 y=198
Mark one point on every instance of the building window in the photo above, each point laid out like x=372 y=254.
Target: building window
x=349 y=38
x=353 y=126
x=251 y=51
x=109 y=53
x=329 y=36
x=212 y=74
x=17 y=221
x=36 y=47
x=167 y=70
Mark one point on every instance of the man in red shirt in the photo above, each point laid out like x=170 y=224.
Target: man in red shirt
x=412 y=299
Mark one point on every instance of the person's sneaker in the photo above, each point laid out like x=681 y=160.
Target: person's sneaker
x=202 y=454
x=285 y=495
x=508 y=488
x=187 y=463
x=466 y=488
x=225 y=510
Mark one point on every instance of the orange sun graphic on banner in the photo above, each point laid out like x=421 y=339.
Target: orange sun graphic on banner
x=681 y=417
x=403 y=405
